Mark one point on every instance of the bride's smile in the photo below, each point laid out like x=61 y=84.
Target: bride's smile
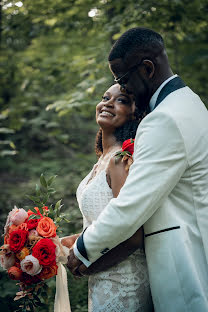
x=115 y=108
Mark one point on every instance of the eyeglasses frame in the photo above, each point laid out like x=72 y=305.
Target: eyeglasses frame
x=130 y=71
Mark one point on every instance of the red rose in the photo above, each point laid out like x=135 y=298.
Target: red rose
x=44 y=251
x=32 y=223
x=29 y=279
x=17 y=240
x=128 y=146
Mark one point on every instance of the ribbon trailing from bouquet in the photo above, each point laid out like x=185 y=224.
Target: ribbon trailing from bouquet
x=62 y=302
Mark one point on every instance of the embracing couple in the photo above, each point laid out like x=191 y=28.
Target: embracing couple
x=145 y=239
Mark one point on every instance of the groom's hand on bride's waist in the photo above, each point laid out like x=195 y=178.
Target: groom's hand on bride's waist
x=74 y=263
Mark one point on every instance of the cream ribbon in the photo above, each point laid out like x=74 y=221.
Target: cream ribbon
x=62 y=303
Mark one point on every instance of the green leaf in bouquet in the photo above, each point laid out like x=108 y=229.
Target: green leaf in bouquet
x=51 y=190
x=33 y=210
x=58 y=207
x=37 y=299
x=39 y=291
x=43 y=181
x=51 y=179
x=35 y=199
x=34 y=217
x=65 y=219
x=45 y=199
x=41 y=210
x=44 y=294
x=35 y=304
x=31 y=306
x=51 y=214
x=37 y=188
x=45 y=286
x=58 y=204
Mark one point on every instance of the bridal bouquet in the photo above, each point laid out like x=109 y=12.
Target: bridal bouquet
x=32 y=249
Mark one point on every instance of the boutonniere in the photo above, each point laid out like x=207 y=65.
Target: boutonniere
x=126 y=153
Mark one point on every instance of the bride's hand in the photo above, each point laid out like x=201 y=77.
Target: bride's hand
x=69 y=241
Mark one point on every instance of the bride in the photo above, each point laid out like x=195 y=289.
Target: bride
x=118 y=281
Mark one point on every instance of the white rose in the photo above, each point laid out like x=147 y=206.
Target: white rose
x=31 y=265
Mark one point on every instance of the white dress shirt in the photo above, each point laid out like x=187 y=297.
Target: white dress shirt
x=155 y=95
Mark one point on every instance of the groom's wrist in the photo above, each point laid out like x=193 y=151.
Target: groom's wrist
x=80 y=251
x=81 y=246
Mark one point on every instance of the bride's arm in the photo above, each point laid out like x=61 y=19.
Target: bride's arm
x=116 y=176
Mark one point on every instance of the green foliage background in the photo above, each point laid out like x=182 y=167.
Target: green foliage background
x=53 y=68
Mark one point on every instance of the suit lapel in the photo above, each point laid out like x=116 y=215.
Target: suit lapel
x=173 y=85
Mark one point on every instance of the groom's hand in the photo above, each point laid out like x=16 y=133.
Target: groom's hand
x=83 y=270
x=73 y=263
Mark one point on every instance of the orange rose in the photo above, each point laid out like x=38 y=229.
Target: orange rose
x=12 y=228
x=22 y=226
x=48 y=272
x=15 y=273
x=6 y=239
x=22 y=254
x=46 y=227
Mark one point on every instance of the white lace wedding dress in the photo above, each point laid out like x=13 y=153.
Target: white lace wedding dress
x=124 y=287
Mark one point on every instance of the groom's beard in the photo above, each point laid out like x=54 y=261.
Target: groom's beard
x=142 y=101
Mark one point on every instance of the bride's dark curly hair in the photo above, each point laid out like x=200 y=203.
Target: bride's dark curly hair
x=125 y=132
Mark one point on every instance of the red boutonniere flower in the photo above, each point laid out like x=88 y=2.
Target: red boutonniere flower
x=126 y=153
x=128 y=146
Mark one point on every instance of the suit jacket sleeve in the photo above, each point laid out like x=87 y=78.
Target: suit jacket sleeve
x=159 y=162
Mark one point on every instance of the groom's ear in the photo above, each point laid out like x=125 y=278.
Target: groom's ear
x=149 y=67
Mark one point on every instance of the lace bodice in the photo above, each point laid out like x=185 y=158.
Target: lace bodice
x=124 y=287
x=90 y=204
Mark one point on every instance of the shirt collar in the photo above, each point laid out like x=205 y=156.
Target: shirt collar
x=155 y=95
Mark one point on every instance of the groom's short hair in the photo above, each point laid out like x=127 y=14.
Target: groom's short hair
x=137 y=40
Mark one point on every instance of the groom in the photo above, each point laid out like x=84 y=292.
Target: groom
x=167 y=187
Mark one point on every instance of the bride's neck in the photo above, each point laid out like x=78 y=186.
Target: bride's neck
x=109 y=143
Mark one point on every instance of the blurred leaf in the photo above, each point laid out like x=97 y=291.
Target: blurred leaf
x=43 y=181
x=51 y=179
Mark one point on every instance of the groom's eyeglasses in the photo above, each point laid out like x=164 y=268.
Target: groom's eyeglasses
x=125 y=78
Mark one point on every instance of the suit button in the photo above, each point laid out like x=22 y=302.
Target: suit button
x=104 y=251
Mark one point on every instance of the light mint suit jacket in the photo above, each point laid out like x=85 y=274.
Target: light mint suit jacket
x=167 y=192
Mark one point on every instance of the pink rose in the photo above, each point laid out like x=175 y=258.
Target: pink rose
x=33 y=233
x=31 y=265
x=19 y=216
x=7 y=258
x=8 y=221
